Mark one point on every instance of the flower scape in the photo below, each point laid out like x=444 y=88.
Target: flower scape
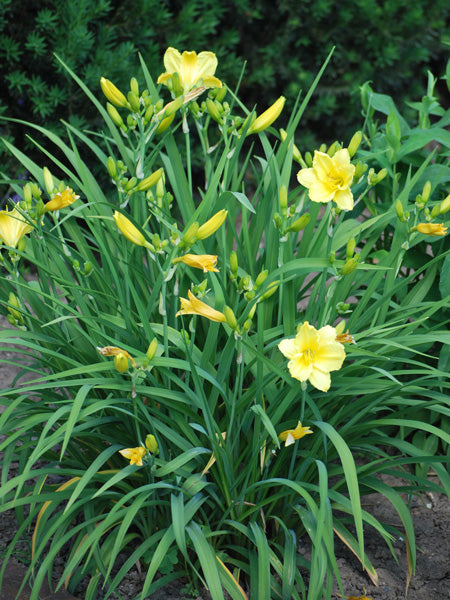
x=230 y=339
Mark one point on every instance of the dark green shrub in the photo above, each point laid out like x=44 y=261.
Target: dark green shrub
x=391 y=43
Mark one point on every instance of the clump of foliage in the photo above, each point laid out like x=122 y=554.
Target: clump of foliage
x=223 y=371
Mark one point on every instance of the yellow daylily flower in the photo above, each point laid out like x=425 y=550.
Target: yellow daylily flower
x=193 y=69
x=330 y=178
x=134 y=455
x=313 y=354
x=194 y=306
x=290 y=435
x=431 y=228
x=207 y=262
x=131 y=232
x=61 y=200
x=13 y=227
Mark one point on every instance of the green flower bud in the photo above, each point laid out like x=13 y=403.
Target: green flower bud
x=426 y=191
x=213 y=111
x=283 y=196
x=149 y=114
x=152 y=348
x=230 y=317
x=132 y=182
x=351 y=244
x=233 y=263
x=399 y=210
x=134 y=102
x=151 y=444
x=349 y=266
x=189 y=237
x=335 y=146
x=354 y=143
x=114 y=114
x=111 y=166
x=48 y=181
x=277 y=220
x=308 y=159
x=177 y=88
x=260 y=279
x=36 y=192
x=300 y=223
x=134 y=86
x=121 y=363
x=270 y=290
x=88 y=267
x=27 y=195
x=444 y=206
x=360 y=169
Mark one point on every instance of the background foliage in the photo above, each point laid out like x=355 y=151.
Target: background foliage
x=391 y=43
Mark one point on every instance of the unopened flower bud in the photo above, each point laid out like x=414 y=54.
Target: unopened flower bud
x=121 y=363
x=88 y=267
x=277 y=220
x=113 y=94
x=111 y=166
x=48 y=181
x=114 y=114
x=152 y=348
x=149 y=181
x=131 y=183
x=213 y=111
x=270 y=290
x=230 y=317
x=177 y=88
x=14 y=303
x=133 y=100
x=283 y=197
x=426 y=191
x=27 y=195
x=134 y=86
x=212 y=225
x=335 y=146
x=36 y=192
x=233 y=263
x=151 y=444
x=189 y=237
x=332 y=257
x=399 y=210
x=444 y=206
x=351 y=244
x=308 y=159
x=165 y=124
x=360 y=169
x=267 y=117
x=349 y=266
x=354 y=143
x=260 y=279
x=149 y=114
x=246 y=325
x=172 y=107
x=342 y=308
x=300 y=223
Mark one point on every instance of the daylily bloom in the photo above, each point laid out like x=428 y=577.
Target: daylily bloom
x=313 y=354
x=207 y=262
x=134 y=455
x=193 y=69
x=330 y=178
x=131 y=232
x=290 y=435
x=61 y=200
x=431 y=228
x=194 y=306
x=13 y=227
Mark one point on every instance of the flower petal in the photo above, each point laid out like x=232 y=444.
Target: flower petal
x=344 y=199
x=321 y=191
x=307 y=177
x=299 y=368
x=288 y=347
x=172 y=60
x=322 y=164
x=307 y=338
x=320 y=380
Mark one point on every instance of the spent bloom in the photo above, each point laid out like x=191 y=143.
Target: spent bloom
x=330 y=178
x=13 y=227
x=115 y=351
x=193 y=69
x=313 y=354
x=207 y=262
x=134 y=455
x=61 y=200
x=194 y=306
x=290 y=435
x=431 y=228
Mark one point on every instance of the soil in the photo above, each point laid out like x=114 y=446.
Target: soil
x=431 y=581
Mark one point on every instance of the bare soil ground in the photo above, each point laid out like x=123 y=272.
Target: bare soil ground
x=431 y=516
